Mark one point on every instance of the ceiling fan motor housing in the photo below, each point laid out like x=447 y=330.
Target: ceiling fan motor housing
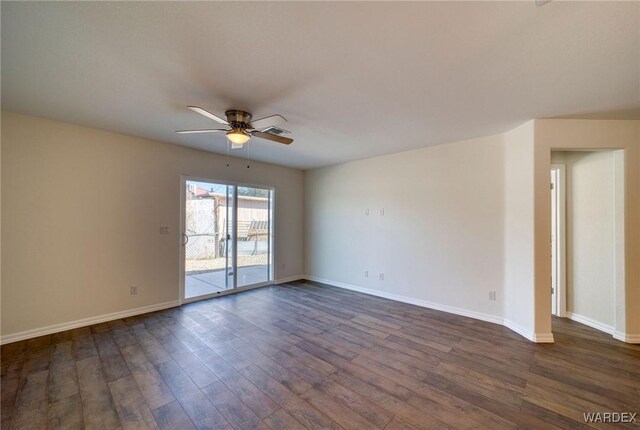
x=238 y=118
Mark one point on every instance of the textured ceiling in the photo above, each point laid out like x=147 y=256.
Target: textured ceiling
x=354 y=79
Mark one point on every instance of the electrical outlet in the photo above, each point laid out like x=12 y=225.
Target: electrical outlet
x=134 y=289
x=382 y=276
x=366 y=273
x=282 y=266
x=366 y=212
x=164 y=229
x=382 y=211
x=492 y=295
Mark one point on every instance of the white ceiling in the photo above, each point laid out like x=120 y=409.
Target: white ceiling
x=354 y=79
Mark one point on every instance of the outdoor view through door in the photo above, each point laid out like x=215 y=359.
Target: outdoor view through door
x=227 y=237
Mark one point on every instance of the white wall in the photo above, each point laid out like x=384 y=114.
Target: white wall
x=518 y=231
x=82 y=208
x=468 y=217
x=590 y=225
x=81 y=215
x=441 y=238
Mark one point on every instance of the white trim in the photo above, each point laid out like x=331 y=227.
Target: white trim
x=561 y=239
x=590 y=322
x=540 y=338
x=527 y=334
x=619 y=283
x=55 y=328
x=534 y=337
x=290 y=279
x=423 y=303
x=629 y=338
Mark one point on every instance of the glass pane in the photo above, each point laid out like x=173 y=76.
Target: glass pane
x=254 y=235
x=207 y=248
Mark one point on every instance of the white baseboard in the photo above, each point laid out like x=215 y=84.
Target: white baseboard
x=534 y=337
x=423 y=303
x=590 y=322
x=628 y=338
x=527 y=334
x=290 y=279
x=619 y=335
x=55 y=328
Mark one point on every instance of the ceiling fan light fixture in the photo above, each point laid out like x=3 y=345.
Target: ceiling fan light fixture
x=242 y=128
x=238 y=136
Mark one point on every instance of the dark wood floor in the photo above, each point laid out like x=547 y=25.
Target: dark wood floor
x=308 y=356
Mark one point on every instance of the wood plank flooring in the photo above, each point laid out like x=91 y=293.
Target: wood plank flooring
x=303 y=355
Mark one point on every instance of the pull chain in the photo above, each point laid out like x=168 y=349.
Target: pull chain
x=248 y=158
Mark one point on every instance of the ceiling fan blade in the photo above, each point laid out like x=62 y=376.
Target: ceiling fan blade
x=206 y=130
x=267 y=121
x=208 y=114
x=272 y=137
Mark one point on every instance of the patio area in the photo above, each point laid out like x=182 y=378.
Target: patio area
x=213 y=281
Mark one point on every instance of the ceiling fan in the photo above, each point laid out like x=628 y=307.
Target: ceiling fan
x=242 y=128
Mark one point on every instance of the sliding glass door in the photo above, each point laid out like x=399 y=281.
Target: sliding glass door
x=254 y=236
x=227 y=237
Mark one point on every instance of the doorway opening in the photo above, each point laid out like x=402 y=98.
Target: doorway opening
x=227 y=237
x=587 y=237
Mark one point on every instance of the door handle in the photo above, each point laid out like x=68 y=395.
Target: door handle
x=185 y=239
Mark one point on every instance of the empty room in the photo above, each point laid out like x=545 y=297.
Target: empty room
x=320 y=215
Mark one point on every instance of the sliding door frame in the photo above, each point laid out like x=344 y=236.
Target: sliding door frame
x=271 y=242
